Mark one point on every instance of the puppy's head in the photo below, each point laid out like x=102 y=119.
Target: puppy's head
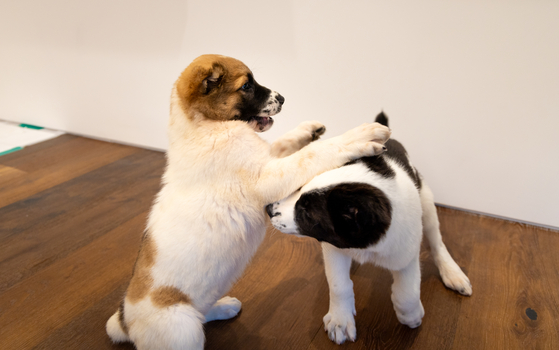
x=347 y=215
x=223 y=88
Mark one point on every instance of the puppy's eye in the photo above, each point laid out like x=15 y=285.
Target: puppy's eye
x=245 y=87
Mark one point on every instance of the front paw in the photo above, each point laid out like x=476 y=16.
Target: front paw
x=412 y=317
x=375 y=132
x=455 y=279
x=340 y=326
x=313 y=128
x=367 y=139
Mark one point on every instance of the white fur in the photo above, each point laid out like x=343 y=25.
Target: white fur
x=152 y=327
x=208 y=219
x=114 y=331
x=272 y=106
x=413 y=212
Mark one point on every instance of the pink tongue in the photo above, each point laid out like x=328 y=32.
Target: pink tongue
x=268 y=120
x=265 y=123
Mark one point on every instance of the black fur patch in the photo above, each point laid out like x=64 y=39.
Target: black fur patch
x=254 y=99
x=382 y=119
x=349 y=215
x=398 y=153
x=378 y=164
x=312 y=218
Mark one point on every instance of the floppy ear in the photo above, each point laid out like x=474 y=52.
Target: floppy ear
x=213 y=78
x=345 y=208
x=349 y=212
x=360 y=213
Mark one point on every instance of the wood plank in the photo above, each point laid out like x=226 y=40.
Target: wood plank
x=442 y=305
x=87 y=330
x=281 y=291
x=59 y=153
x=8 y=173
x=40 y=147
x=515 y=271
x=51 y=298
x=69 y=216
x=67 y=250
x=57 y=164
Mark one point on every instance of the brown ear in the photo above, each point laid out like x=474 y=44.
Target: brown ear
x=213 y=79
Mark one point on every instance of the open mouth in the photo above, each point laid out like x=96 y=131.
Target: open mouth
x=260 y=124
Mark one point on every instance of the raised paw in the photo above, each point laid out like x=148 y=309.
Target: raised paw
x=411 y=317
x=316 y=133
x=369 y=132
x=340 y=326
x=313 y=128
x=367 y=139
x=381 y=133
x=224 y=309
x=377 y=148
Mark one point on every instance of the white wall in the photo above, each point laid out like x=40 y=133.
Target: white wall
x=102 y=68
x=471 y=86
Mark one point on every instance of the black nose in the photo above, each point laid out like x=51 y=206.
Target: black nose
x=269 y=210
x=280 y=99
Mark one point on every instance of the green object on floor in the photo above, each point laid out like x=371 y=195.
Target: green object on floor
x=11 y=150
x=29 y=126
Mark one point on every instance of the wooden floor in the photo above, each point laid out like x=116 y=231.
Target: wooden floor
x=72 y=211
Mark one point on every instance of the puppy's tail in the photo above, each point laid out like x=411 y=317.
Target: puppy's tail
x=382 y=119
x=115 y=329
x=180 y=326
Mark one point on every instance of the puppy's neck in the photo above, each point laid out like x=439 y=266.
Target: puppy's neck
x=182 y=120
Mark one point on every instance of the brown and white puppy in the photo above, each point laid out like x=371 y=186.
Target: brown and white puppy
x=208 y=219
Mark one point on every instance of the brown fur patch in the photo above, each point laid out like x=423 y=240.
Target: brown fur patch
x=142 y=281
x=121 y=320
x=210 y=86
x=168 y=296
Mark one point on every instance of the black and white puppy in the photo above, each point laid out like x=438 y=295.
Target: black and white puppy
x=374 y=210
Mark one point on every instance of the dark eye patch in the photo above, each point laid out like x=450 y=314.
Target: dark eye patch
x=249 y=84
x=253 y=98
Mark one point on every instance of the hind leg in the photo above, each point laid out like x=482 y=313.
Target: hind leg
x=224 y=309
x=451 y=274
x=405 y=294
